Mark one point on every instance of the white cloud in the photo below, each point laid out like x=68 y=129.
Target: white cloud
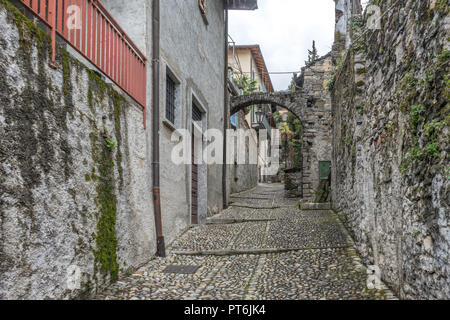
x=285 y=30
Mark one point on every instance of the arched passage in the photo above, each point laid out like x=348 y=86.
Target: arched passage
x=295 y=102
x=313 y=109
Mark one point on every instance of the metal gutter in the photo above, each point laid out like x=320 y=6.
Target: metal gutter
x=225 y=112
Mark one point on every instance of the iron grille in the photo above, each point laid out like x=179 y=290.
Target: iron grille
x=170 y=100
x=196 y=113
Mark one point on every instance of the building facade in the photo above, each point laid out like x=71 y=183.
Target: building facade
x=248 y=61
x=88 y=215
x=242 y=177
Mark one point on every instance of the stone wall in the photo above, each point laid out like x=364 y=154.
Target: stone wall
x=390 y=151
x=316 y=122
x=75 y=192
x=293 y=182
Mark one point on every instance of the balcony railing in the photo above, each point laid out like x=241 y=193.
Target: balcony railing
x=88 y=27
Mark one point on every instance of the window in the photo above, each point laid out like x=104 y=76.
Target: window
x=170 y=99
x=234 y=120
x=202 y=6
x=196 y=113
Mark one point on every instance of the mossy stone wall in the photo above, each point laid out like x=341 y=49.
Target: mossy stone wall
x=391 y=146
x=74 y=193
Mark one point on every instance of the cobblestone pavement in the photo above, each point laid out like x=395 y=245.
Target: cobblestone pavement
x=262 y=247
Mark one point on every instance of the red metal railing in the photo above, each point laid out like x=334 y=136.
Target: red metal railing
x=94 y=33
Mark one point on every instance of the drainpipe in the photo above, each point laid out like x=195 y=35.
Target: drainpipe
x=225 y=113
x=160 y=246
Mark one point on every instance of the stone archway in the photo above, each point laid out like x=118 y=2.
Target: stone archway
x=311 y=104
x=295 y=102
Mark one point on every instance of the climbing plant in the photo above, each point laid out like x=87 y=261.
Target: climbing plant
x=291 y=141
x=297 y=137
x=246 y=85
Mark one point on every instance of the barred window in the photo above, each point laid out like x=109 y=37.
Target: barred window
x=196 y=113
x=170 y=100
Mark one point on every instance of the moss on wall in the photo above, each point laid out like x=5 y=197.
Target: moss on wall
x=117 y=105
x=106 y=238
x=32 y=140
x=29 y=33
x=392 y=179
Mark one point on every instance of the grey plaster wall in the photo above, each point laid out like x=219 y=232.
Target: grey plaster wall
x=194 y=52
x=192 y=49
x=244 y=176
x=68 y=197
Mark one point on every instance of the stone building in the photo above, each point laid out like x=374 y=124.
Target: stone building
x=192 y=72
x=192 y=62
x=345 y=9
x=76 y=199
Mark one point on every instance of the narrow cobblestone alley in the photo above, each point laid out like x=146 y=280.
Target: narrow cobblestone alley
x=262 y=247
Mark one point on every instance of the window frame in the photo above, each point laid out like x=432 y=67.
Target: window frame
x=169 y=74
x=171 y=91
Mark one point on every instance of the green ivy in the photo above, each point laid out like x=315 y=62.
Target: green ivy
x=444 y=56
x=331 y=83
x=416 y=116
x=432 y=150
x=110 y=144
x=414 y=154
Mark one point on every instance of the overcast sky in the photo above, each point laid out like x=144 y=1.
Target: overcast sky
x=285 y=30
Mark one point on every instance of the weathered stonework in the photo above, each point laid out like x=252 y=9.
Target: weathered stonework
x=311 y=104
x=74 y=191
x=390 y=179
x=293 y=182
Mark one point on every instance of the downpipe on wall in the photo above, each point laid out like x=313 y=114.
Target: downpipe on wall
x=160 y=245
x=225 y=112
